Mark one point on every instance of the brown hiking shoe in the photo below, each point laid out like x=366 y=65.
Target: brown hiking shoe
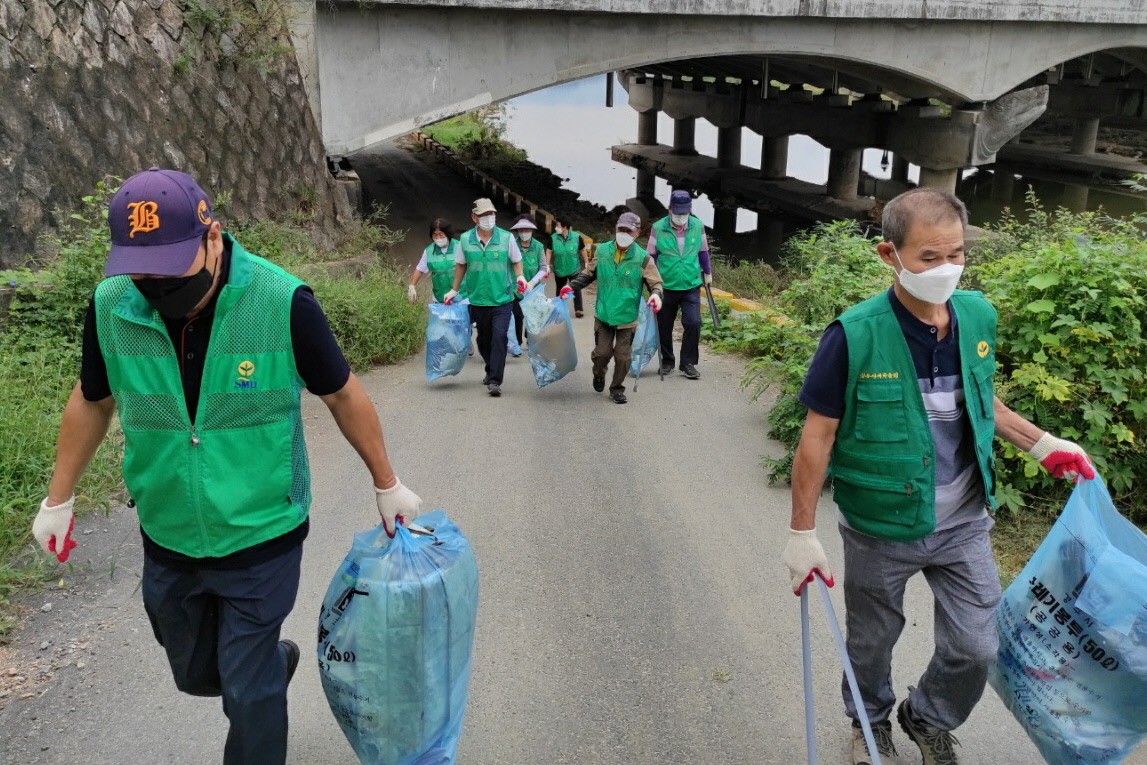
x=936 y=746
x=881 y=734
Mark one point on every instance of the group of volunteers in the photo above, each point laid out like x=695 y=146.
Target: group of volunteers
x=493 y=268
x=205 y=348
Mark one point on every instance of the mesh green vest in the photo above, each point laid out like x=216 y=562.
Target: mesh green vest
x=532 y=258
x=489 y=274
x=441 y=265
x=239 y=475
x=618 y=284
x=566 y=261
x=680 y=270
x=883 y=460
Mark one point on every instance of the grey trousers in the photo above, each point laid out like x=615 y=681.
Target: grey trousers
x=961 y=571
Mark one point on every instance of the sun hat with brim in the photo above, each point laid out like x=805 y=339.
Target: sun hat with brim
x=157 y=220
x=523 y=224
x=483 y=206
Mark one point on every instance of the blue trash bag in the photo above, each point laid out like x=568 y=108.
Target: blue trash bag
x=447 y=339
x=1072 y=665
x=512 y=346
x=553 y=354
x=645 y=340
x=395 y=635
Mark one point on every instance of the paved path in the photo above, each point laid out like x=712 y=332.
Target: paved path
x=633 y=607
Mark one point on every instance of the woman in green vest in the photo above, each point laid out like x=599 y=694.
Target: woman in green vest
x=437 y=260
x=621 y=268
x=535 y=262
x=567 y=246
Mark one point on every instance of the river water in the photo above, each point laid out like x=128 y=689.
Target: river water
x=568 y=129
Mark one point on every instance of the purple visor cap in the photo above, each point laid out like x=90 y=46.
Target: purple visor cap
x=680 y=202
x=157 y=219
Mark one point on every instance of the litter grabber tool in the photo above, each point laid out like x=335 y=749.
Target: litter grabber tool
x=712 y=307
x=806 y=646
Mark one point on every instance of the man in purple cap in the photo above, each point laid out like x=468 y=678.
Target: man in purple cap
x=678 y=244
x=205 y=349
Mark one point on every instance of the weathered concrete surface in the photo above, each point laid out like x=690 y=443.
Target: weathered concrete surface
x=364 y=49
x=634 y=609
x=1092 y=11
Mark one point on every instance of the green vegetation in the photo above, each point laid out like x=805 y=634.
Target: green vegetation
x=363 y=295
x=1070 y=291
x=477 y=137
x=254 y=32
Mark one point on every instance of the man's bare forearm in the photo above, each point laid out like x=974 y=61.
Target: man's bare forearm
x=82 y=430
x=356 y=417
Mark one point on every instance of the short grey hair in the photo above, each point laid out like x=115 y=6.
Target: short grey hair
x=922 y=205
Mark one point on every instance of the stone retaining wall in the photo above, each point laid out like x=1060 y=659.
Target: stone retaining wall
x=91 y=88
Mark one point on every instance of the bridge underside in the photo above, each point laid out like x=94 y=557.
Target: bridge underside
x=384 y=70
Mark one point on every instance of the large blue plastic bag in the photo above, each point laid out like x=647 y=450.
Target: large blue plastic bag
x=1072 y=665
x=551 y=348
x=395 y=635
x=447 y=339
x=645 y=339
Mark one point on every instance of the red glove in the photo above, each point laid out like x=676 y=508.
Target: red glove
x=1063 y=459
x=654 y=302
x=565 y=293
x=523 y=285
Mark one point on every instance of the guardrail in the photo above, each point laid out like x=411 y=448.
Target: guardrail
x=492 y=187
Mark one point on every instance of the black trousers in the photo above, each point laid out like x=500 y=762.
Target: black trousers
x=689 y=302
x=519 y=319
x=220 y=629
x=493 y=323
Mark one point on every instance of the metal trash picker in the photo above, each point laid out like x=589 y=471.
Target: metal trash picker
x=806 y=646
x=712 y=307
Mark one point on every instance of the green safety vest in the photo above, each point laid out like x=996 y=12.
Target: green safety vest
x=489 y=274
x=441 y=265
x=883 y=459
x=680 y=270
x=618 y=284
x=239 y=475
x=566 y=260
x=532 y=258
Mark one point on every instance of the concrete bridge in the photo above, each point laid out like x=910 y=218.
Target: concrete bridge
x=940 y=83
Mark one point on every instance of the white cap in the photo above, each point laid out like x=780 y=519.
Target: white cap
x=523 y=223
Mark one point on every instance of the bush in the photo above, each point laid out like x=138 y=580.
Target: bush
x=1070 y=290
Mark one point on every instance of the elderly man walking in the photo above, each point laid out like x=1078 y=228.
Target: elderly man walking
x=901 y=402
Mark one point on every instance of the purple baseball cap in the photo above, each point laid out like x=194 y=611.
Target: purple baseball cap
x=680 y=202
x=157 y=219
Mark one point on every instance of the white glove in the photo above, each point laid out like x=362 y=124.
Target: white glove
x=396 y=504
x=411 y=293
x=707 y=278
x=654 y=302
x=803 y=554
x=1061 y=458
x=448 y=298
x=53 y=527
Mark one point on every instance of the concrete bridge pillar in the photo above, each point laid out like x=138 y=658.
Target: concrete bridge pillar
x=899 y=169
x=844 y=172
x=1086 y=131
x=647 y=128
x=724 y=220
x=775 y=158
x=945 y=180
x=729 y=147
x=1075 y=197
x=684 y=136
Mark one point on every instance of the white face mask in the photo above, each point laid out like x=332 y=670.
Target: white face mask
x=935 y=285
x=623 y=240
x=679 y=220
x=486 y=222
x=558 y=230
x=441 y=242
x=527 y=235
